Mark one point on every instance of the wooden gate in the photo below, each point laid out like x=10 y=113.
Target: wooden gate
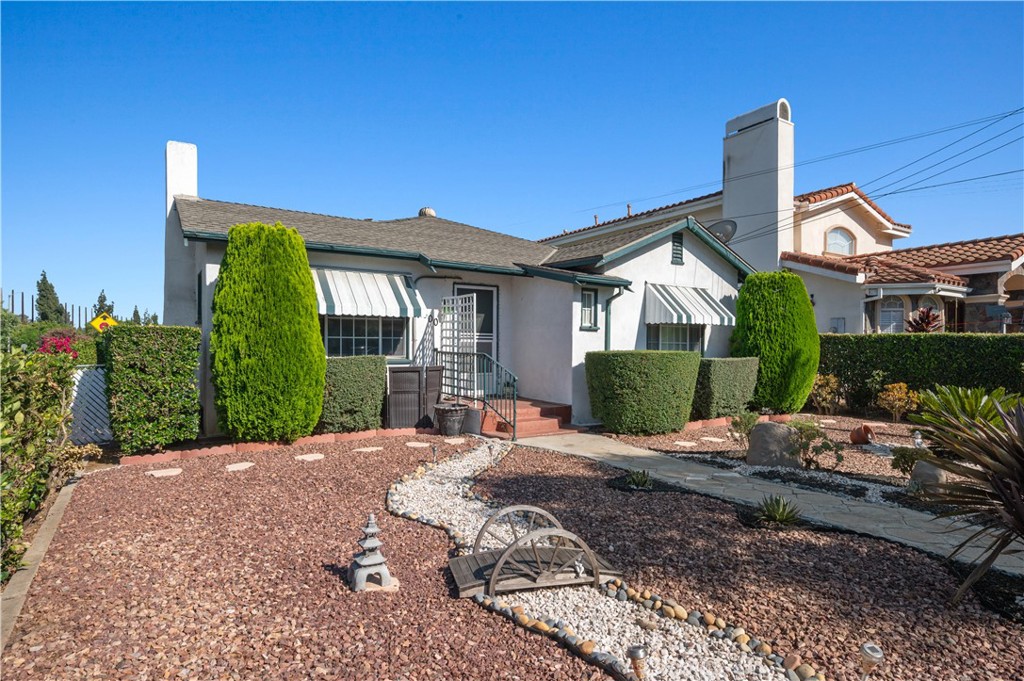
x=90 y=418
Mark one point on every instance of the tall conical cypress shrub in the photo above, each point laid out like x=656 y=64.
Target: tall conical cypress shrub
x=266 y=348
x=775 y=323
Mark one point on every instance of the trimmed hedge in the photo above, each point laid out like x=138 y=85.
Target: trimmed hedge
x=725 y=385
x=642 y=391
x=775 y=322
x=151 y=385
x=353 y=394
x=922 y=361
x=267 y=351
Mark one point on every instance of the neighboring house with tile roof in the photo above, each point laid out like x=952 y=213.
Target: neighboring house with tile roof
x=539 y=308
x=838 y=239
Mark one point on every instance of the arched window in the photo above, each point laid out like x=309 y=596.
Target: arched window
x=890 y=315
x=839 y=241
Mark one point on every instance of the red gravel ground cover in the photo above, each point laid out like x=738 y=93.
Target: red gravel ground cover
x=217 y=575
x=820 y=594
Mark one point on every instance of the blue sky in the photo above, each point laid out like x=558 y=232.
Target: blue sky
x=524 y=118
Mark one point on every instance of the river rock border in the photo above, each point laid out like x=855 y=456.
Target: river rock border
x=450 y=481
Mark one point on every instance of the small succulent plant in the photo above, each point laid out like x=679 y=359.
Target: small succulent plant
x=778 y=509
x=639 y=479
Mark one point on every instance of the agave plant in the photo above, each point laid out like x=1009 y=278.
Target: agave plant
x=639 y=480
x=988 y=441
x=778 y=509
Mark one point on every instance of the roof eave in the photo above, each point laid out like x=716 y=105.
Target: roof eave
x=574 y=277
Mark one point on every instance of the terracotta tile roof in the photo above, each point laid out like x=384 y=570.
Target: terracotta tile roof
x=877 y=268
x=1008 y=247
x=645 y=213
x=820 y=195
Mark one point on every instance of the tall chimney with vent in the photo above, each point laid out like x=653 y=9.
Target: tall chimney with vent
x=757 y=183
x=182 y=178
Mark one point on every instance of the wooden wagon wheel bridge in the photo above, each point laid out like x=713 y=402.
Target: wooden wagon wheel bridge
x=525 y=547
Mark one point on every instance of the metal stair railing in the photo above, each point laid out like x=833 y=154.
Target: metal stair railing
x=479 y=377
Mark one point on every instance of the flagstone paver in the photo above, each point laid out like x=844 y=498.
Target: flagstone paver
x=686 y=443
x=455 y=440
x=901 y=525
x=368 y=449
x=309 y=457
x=165 y=472
x=712 y=439
x=417 y=444
x=241 y=466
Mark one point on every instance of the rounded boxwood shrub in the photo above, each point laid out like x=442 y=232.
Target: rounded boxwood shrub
x=775 y=323
x=642 y=391
x=267 y=352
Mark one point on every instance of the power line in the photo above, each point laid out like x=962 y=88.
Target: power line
x=828 y=157
x=789 y=223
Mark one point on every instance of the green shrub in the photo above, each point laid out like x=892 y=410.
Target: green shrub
x=83 y=343
x=639 y=480
x=35 y=412
x=904 y=458
x=151 y=385
x=922 y=361
x=31 y=335
x=353 y=394
x=724 y=386
x=775 y=322
x=825 y=394
x=642 y=391
x=812 y=442
x=267 y=351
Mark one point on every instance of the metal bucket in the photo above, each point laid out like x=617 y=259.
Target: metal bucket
x=449 y=418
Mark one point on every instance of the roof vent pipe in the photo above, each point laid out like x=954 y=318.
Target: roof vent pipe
x=596 y=223
x=629 y=210
x=427 y=212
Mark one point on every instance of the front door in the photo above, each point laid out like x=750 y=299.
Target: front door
x=486 y=327
x=486 y=316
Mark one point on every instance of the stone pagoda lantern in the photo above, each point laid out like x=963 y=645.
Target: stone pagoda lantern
x=370 y=562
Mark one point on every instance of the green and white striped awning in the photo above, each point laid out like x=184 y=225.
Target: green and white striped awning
x=365 y=294
x=665 y=304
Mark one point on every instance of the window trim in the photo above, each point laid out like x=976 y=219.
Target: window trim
x=593 y=326
x=853 y=240
x=407 y=335
x=903 y=313
x=692 y=329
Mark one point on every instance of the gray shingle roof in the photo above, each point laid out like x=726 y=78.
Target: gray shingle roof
x=598 y=246
x=435 y=238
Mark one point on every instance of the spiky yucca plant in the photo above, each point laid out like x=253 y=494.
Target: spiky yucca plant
x=989 y=441
x=639 y=479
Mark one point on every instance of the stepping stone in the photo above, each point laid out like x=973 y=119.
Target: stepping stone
x=164 y=472
x=368 y=449
x=685 y=443
x=712 y=439
x=730 y=474
x=455 y=440
x=877 y=425
x=417 y=445
x=309 y=457
x=696 y=477
x=232 y=467
x=828 y=421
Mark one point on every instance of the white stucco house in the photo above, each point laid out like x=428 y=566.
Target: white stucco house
x=539 y=307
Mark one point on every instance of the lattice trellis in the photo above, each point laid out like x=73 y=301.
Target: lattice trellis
x=90 y=418
x=458 y=335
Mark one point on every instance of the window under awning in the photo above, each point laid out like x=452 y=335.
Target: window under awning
x=665 y=304
x=365 y=294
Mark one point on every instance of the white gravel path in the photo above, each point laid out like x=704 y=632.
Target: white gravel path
x=678 y=651
x=442 y=495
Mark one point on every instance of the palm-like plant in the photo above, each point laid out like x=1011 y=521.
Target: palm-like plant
x=986 y=433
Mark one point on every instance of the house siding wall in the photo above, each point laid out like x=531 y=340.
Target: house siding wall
x=701 y=267
x=835 y=298
x=812 y=226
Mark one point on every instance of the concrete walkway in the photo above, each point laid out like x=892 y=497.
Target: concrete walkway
x=901 y=525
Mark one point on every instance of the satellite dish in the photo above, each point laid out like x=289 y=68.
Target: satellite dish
x=724 y=230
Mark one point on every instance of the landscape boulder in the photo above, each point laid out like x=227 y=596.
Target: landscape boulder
x=926 y=474
x=773 y=444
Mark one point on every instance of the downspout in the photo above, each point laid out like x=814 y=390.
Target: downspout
x=608 y=317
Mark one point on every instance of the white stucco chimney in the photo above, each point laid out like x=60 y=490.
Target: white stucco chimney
x=181 y=163
x=757 y=183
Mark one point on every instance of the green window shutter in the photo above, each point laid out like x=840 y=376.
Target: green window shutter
x=677 y=248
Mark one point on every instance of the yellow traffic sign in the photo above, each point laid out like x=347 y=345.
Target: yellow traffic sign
x=103 y=322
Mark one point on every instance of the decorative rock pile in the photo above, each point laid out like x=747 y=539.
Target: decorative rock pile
x=684 y=644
